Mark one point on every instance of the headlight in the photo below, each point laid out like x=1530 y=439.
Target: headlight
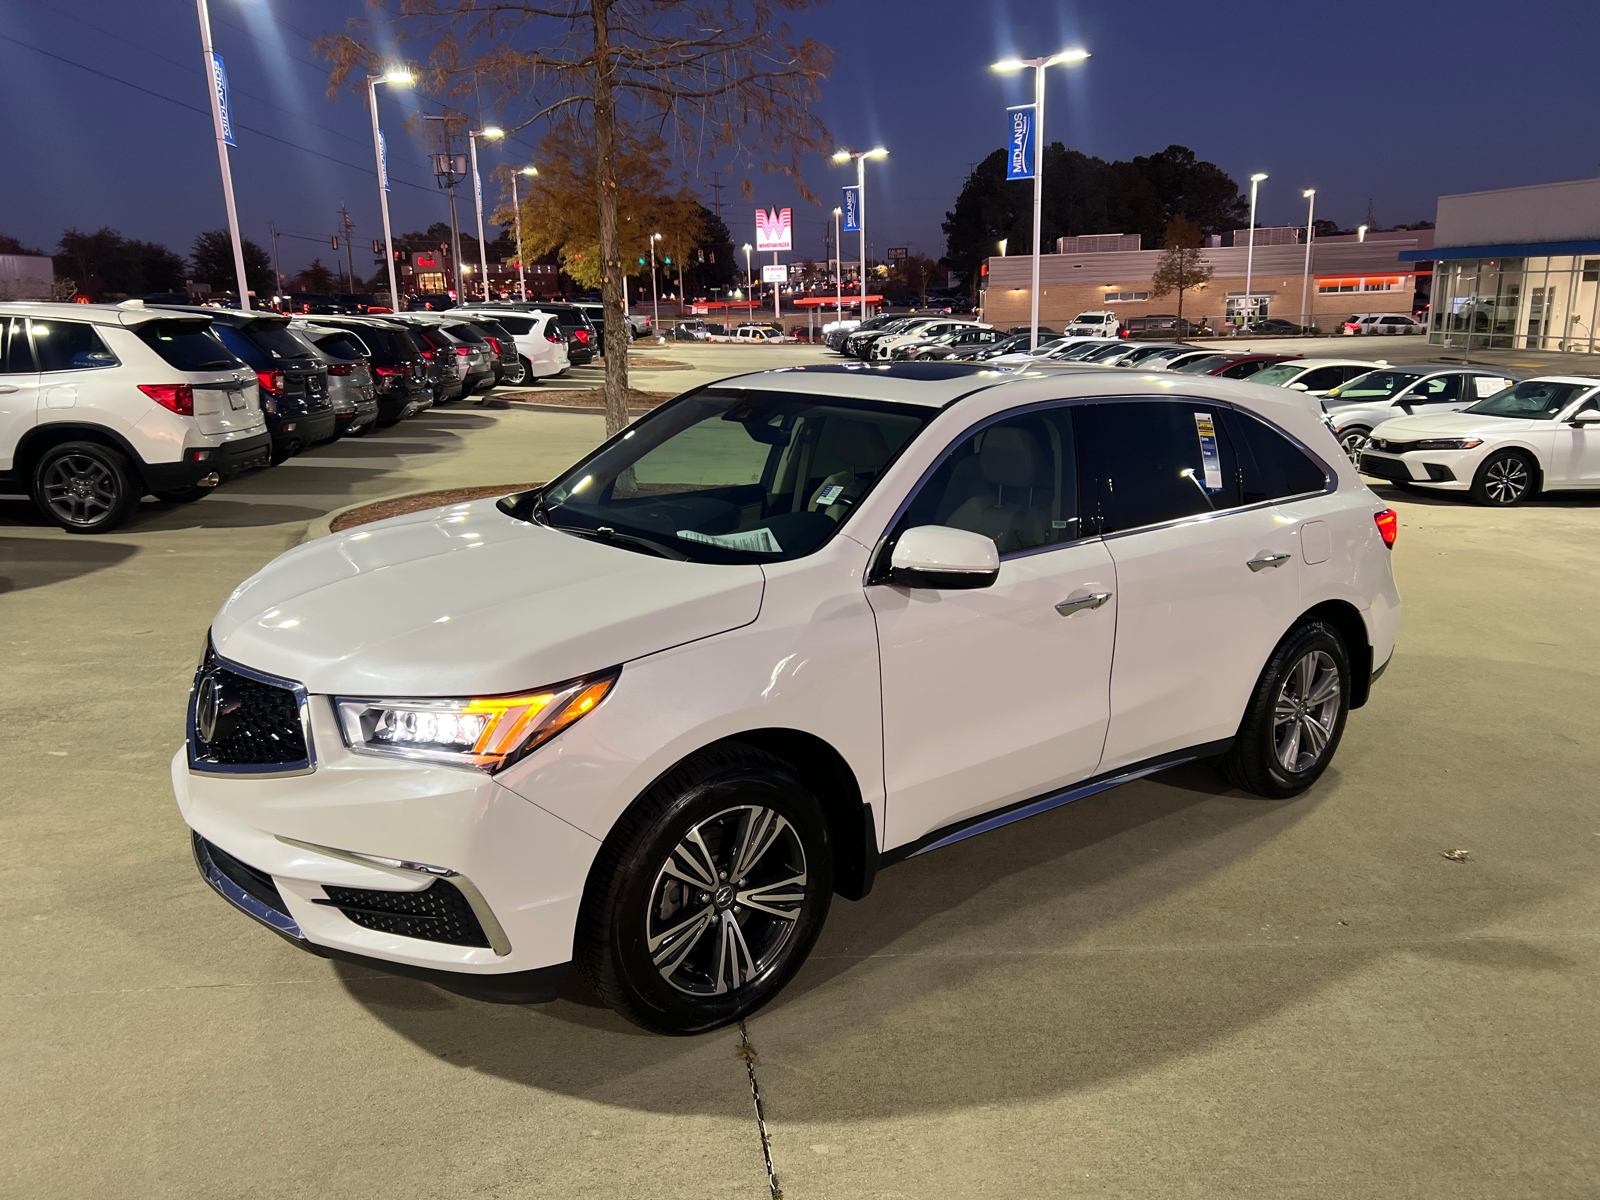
x=488 y=732
x=1450 y=444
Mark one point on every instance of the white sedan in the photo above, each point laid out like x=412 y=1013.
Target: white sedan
x=790 y=628
x=1538 y=435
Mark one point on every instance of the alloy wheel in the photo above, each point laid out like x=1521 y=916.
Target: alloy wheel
x=1307 y=711
x=1506 y=480
x=1354 y=442
x=726 y=901
x=79 y=490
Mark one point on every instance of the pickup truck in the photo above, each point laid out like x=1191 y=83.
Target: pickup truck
x=1099 y=323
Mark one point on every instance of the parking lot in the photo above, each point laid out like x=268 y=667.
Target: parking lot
x=1169 y=989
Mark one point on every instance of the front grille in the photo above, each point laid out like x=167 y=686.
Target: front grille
x=242 y=721
x=1393 y=447
x=1385 y=468
x=438 y=913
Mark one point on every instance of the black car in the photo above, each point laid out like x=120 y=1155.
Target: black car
x=452 y=344
x=314 y=302
x=507 y=362
x=430 y=303
x=294 y=385
x=444 y=383
x=399 y=371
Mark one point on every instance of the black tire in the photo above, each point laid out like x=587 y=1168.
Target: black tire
x=85 y=487
x=1270 y=736
x=282 y=452
x=1505 y=478
x=186 y=495
x=633 y=900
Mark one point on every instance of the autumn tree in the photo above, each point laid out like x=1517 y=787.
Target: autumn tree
x=716 y=78
x=1179 y=268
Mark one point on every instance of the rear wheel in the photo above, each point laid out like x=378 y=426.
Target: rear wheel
x=1504 y=479
x=708 y=894
x=522 y=374
x=85 y=487
x=1296 y=715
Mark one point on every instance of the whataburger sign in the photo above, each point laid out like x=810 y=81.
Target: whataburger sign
x=774 y=230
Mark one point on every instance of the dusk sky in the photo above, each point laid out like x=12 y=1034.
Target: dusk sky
x=1398 y=103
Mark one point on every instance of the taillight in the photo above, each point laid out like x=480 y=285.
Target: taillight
x=463 y=351
x=386 y=372
x=341 y=368
x=179 y=397
x=271 y=381
x=582 y=335
x=428 y=354
x=1388 y=522
x=495 y=343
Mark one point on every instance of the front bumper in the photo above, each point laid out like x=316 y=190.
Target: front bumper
x=391 y=826
x=1447 y=470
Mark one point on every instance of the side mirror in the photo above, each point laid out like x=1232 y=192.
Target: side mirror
x=1298 y=387
x=1587 y=417
x=936 y=556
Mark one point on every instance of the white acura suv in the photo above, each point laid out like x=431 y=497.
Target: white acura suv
x=782 y=632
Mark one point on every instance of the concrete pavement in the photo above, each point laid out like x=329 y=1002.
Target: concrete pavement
x=1168 y=990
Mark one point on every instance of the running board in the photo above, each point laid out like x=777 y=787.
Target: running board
x=959 y=832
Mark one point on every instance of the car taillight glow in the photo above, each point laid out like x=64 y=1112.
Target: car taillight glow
x=272 y=381
x=553 y=337
x=582 y=335
x=341 y=368
x=1388 y=522
x=179 y=397
x=386 y=372
x=463 y=351
x=495 y=342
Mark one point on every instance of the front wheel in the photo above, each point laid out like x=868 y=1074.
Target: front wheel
x=708 y=894
x=1296 y=715
x=1353 y=441
x=1504 y=479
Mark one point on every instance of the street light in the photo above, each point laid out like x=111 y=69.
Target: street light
x=1039 y=65
x=748 y=282
x=516 y=209
x=1003 y=242
x=213 y=69
x=1361 y=233
x=838 y=274
x=843 y=156
x=1250 y=254
x=491 y=132
x=655 y=298
x=1305 y=284
x=402 y=77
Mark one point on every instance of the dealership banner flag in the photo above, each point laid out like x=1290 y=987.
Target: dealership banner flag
x=852 y=210
x=219 y=81
x=1019 y=142
x=383 y=161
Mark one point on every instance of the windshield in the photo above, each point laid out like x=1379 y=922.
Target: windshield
x=1081 y=349
x=1375 y=385
x=1204 y=366
x=1102 y=352
x=1277 y=376
x=730 y=475
x=1089 y=318
x=1532 y=400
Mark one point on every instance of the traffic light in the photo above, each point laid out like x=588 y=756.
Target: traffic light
x=377 y=246
x=641 y=262
x=336 y=241
x=669 y=262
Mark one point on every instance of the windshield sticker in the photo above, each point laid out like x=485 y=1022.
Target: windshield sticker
x=758 y=541
x=1208 y=451
x=830 y=493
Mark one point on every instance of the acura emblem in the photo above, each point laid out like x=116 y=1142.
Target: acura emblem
x=208 y=708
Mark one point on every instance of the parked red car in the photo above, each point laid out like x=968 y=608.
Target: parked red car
x=1233 y=366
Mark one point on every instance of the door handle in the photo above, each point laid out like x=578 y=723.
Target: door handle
x=6 y=387
x=1267 y=560
x=1082 y=603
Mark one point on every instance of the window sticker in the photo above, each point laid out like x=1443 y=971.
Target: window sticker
x=830 y=493
x=1208 y=451
x=758 y=541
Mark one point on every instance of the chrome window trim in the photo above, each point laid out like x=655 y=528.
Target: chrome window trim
x=198 y=766
x=493 y=930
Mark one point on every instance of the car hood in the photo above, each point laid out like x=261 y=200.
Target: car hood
x=1454 y=424
x=465 y=600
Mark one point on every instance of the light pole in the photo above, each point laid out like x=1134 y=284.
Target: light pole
x=1305 y=284
x=748 y=282
x=1039 y=65
x=838 y=271
x=861 y=156
x=655 y=296
x=399 y=75
x=1250 y=253
x=516 y=209
x=217 y=81
x=488 y=131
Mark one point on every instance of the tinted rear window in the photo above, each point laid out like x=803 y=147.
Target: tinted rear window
x=1271 y=465
x=341 y=345
x=466 y=333
x=187 y=345
x=1148 y=461
x=274 y=339
x=516 y=326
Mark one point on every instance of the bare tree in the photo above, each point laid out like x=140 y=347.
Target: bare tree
x=1179 y=268
x=715 y=77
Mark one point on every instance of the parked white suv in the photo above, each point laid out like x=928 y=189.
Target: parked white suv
x=1382 y=324
x=783 y=631
x=101 y=404
x=1102 y=323
x=541 y=347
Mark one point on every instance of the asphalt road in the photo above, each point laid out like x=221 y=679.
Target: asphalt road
x=1168 y=990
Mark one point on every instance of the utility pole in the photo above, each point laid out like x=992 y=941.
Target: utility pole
x=277 y=274
x=349 y=254
x=447 y=179
x=716 y=188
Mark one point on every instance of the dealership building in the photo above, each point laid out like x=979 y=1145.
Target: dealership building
x=1346 y=274
x=1517 y=268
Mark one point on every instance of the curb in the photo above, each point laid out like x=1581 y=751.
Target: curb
x=322 y=526
x=530 y=406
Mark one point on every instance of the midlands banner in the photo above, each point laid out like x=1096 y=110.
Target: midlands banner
x=1019 y=142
